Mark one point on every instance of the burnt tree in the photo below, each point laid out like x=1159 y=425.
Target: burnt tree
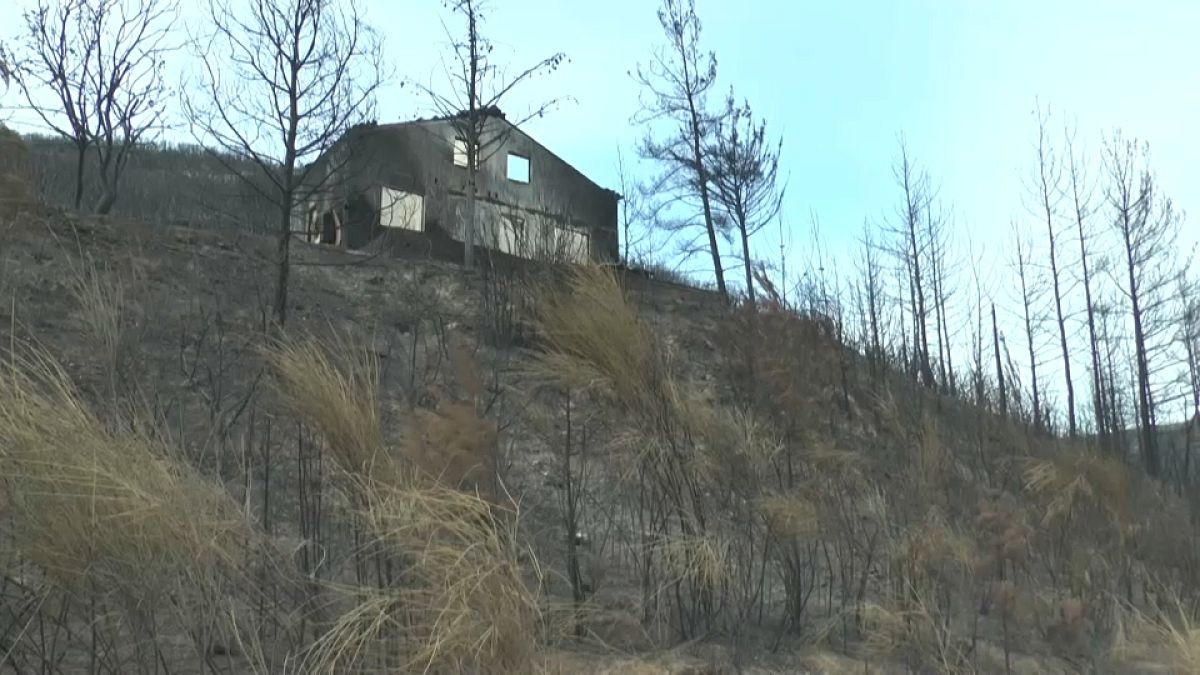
x=676 y=83
x=475 y=90
x=280 y=82
x=744 y=172
x=93 y=72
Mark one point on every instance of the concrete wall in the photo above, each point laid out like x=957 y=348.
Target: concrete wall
x=558 y=204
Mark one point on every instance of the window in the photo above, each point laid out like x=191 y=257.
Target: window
x=401 y=209
x=518 y=168
x=460 y=152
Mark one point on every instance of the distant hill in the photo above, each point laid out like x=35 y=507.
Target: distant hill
x=162 y=185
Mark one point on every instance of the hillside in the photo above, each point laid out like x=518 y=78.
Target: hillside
x=521 y=471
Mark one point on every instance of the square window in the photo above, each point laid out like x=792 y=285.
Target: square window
x=518 y=168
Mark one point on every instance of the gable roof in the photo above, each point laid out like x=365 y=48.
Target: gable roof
x=490 y=112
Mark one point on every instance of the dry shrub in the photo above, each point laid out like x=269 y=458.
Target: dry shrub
x=94 y=509
x=927 y=556
x=1004 y=536
x=451 y=444
x=16 y=194
x=791 y=518
x=16 y=179
x=14 y=153
x=785 y=363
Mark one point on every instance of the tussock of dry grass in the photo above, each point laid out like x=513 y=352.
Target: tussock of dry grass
x=334 y=388
x=461 y=604
x=94 y=508
x=103 y=306
x=700 y=560
x=1161 y=643
x=458 y=601
x=1081 y=477
x=593 y=337
x=917 y=634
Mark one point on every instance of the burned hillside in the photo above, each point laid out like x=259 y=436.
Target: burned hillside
x=614 y=467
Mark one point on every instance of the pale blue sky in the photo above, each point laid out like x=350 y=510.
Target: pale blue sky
x=840 y=81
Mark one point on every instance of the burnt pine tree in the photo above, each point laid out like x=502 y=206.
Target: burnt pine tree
x=1189 y=337
x=633 y=212
x=1000 y=381
x=744 y=172
x=1030 y=297
x=92 y=71
x=938 y=245
x=280 y=82
x=1046 y=192
x=474 y=96
x=1146 y=225
x=910 y=249
x=1079 y=197
x=872 y=293
x=675 y=84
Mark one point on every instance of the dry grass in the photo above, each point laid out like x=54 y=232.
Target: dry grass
x=594 y=341
x=334 y=388
x=1075 y=479
x=1160 y=643
x=456 y=600
x=917 y=635
x=93 y=509
x=100 y=295
x=461 y=604
x=791 y=517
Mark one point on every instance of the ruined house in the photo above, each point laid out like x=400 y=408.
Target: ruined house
x=405 y=184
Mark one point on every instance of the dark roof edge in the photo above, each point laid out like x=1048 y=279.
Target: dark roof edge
x=489 y=112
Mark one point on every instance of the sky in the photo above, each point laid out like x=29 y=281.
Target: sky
x=841 y=81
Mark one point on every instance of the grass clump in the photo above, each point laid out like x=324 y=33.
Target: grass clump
x=108 y=530
x=90 y=506
x=452 y=597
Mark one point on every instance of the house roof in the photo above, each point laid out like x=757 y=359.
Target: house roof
x=491 y=111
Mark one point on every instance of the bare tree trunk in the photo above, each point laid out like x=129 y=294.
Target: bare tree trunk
x=746 y=259
x=80 y=160
x=706 y=202
x=1049 y=178
x=999 y=365
x=1026 y=303
x=1081 y=212
x=916 y=198
x=1147 y=225
x=473 y=139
